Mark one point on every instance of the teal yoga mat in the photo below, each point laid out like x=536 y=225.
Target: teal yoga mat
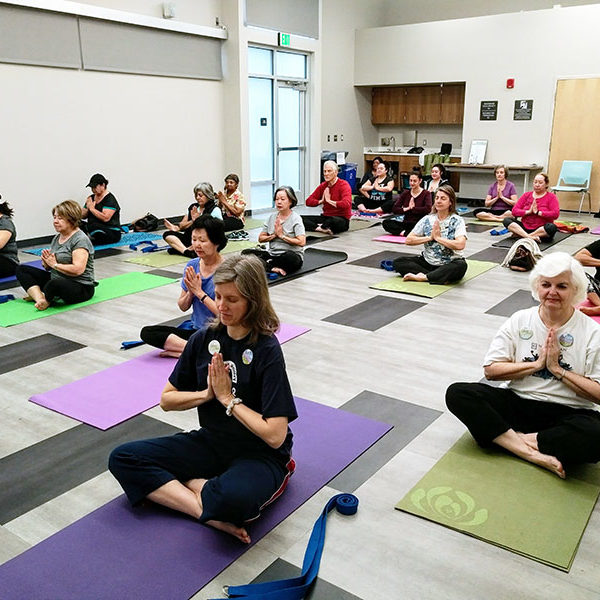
x=20 y=311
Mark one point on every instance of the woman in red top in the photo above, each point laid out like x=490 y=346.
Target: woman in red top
x=537 y=209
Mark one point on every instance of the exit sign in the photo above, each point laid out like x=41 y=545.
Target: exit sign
x=284 y=39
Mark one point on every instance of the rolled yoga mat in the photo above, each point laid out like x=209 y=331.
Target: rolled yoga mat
x=111 y=396
x=126 y=239
x=508 y=502
x=150 y=553
x=20 y=311
x=428 y=290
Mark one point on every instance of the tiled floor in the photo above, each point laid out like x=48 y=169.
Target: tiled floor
x=401 y=369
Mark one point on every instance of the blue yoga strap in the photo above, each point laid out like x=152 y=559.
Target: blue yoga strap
x=297 y=587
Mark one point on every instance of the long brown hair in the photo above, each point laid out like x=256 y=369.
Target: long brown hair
x=248 y=274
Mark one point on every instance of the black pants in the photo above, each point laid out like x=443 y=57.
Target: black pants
x=100 y=235
x=549 y=228
x=289 y=261
x=449 y=273
x=7 y=267
x=67 y=290
x=336 y=224
x=185 y=236
x=570 y=434
x=156 y=335
x=397 y=227
x=232 y=223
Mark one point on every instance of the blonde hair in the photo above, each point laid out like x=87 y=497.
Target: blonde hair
x=247 y=272
x=70 y=211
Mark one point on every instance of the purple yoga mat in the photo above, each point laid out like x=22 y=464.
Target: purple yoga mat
x=151 y=554
x=33 y=263
x=596 y=230
x=394 y=239
x=118 y=393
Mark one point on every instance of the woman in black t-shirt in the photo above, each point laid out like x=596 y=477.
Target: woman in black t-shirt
x=8 y=241
x=102 y=212
x=234 y=374
x=379 y=189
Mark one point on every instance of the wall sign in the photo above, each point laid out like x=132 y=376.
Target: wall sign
x=488 y=110
x=523 y=110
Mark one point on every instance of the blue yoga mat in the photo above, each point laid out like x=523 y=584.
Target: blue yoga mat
x=126 y=239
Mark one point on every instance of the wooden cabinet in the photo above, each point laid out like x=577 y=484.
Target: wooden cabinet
x=412 y=104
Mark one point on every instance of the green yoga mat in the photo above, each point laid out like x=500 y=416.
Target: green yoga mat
x=251 y=223
x=508 y=502
x=19 y=311
x=422 y=288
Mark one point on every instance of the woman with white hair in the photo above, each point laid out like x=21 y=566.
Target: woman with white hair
x=547 y=413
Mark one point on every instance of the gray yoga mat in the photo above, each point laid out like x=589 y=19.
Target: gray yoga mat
x=165 y=273
x=408 y=419
x=104 y=252
x=508 y=241
x=374 y=260
x=479 y=228
x=490 y=254
x=41 y=472
x=518 y=300
x=374 y=313
x=314 y=259
x=321 y=589
x=34 y=350
x=314 y=237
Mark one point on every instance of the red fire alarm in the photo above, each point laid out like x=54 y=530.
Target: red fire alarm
x=510 y=84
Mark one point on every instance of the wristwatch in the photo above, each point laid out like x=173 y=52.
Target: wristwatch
x=203 y=298
x=233 y=402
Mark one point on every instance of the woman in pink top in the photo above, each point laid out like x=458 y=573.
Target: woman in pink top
x=537 y=210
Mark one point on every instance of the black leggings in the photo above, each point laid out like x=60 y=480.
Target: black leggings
x=336 y=224
x=185 y=236
x=156 y=335
x=7 y=267
x=232 y=223
x=289 y=261
x=63 y=288
x=99 y=235
x=549 y=228
x=397 y=227
x=570 y=434
x=449 y=273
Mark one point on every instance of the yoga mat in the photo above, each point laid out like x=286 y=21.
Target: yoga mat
x=422 y=288
x=595 y=231
x=251 y=223
x=118 y=393
x=34 y=350
x=158 y=259
x=313 y=259
x=374 y=260
x=9 y=282
x=518 y=300
x=479 y=227
x=165 y=273
x=508 y=502
x=490 y=254
x=153 y=554
x=41 y=472
x=588 y=303
x=19 y=311
x=126 y=239
x=374 y=313
x=358 y=224
x=392 y=239
x=508 y=241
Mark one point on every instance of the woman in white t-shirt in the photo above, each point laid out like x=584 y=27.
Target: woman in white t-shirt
x=444 y=236
x=548 y=411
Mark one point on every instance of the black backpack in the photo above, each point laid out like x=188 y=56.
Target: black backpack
x=147 y=223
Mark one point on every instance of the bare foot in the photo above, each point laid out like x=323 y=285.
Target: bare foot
x=362 y=208
x=239 y=532
x=535 y=238
x=530 y=439
x=324 y=230
x=415 y=277
x=548 y=462
x=169 y=354
x=28 y=298
x=278 y=270
x=42 y=304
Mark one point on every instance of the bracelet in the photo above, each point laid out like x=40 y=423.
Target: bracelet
x=562 y=375
x=234 y=401
x=203 y=298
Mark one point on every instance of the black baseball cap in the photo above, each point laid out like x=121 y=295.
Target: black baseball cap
x=97 y=179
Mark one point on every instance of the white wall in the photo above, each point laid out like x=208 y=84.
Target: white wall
x=154 y=138
x=547 y=45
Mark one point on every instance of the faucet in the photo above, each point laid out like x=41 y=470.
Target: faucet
x=393 y=142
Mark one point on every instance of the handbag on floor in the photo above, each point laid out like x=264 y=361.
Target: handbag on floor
x=146 y=223
x=523 y=255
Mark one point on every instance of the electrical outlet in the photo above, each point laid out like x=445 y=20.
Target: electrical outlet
x=335 y=137
x=341 y=137
x=328 y=138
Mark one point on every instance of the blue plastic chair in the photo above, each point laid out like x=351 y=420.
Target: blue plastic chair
x=575 y=177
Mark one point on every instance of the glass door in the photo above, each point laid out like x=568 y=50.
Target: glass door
x=290 y=135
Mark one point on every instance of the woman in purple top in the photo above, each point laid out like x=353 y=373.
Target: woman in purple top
x=500 y=199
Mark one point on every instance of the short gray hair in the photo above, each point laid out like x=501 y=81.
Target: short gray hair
x=331 y=163
x=554 y=264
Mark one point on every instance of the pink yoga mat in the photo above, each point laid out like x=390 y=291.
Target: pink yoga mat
x=596 y=230
x=588 y=303
x=394 y=239
x=118 y=393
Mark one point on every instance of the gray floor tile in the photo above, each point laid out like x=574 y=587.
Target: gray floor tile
x=374 y=313
x=409 y=420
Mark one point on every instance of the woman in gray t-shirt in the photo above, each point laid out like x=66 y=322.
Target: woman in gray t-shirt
x=68 y=273
x=284 y=230
x=8 y=242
